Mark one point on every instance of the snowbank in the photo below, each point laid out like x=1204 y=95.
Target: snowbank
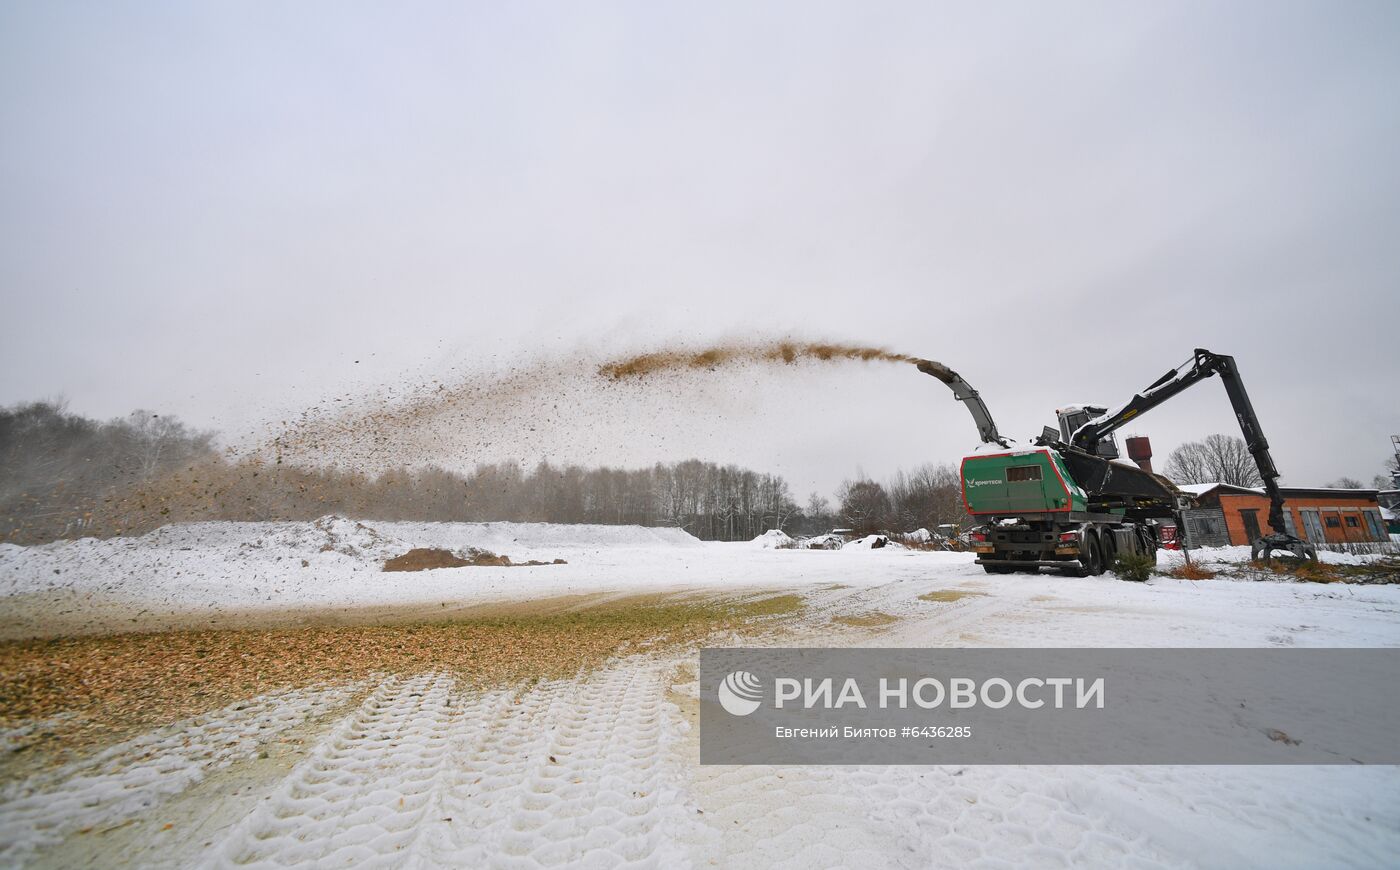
x=197 y=557
x=872 y=542
x=251 y=574
x=1171 y=558
x=278 y=574
x=773 y=539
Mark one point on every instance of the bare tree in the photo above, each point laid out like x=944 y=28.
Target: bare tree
x=815 y=517
x=865 y=505
x=62 y=474
x=1217 y=459
x=1346 y=483
x=926 y=498
x=1386 y=479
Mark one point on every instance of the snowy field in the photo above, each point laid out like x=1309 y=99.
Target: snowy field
x=419 y=770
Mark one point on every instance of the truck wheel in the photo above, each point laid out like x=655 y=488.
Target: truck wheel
x=1100 y=564
x=1093 y=555
x=1110 y=549
x=1089 y=559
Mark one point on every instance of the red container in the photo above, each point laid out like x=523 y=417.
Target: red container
x=1139 y=448
x=1166 y=534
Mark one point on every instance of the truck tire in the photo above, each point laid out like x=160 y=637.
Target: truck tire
x=1094 y=554
x=1091 y=560
x=1108 y=549
x=1099 y=566
x=997 y=569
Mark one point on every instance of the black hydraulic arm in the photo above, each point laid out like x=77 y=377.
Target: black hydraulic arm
x=1203 y=365
x=964 y=393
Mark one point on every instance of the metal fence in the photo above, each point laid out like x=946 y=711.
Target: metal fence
x=1205 y=527
x=1375 y=548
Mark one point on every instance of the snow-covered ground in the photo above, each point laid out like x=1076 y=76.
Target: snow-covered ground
x=601 y=771
x=221 y=573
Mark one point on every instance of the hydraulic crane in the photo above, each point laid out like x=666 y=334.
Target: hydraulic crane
x=1063 y=503
x=1203 y=365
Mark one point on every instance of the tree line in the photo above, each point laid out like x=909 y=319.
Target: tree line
x=60 y=471
x=63 y=475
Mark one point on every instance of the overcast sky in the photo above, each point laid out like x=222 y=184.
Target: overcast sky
x=215 y=209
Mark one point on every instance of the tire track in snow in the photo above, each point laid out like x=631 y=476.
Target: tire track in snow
x=360 y=798
x=574 y=772
x=138 y=775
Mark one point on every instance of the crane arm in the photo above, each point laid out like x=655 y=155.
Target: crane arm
x=986 y=427
x=1203 y=364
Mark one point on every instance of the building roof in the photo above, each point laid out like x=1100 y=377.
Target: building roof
x=1325 y=491
x=1197 y=488
x=1200 y=489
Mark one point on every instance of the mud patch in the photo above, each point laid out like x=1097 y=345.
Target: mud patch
x=873 y=619
x=432 y=558
x=947 y=596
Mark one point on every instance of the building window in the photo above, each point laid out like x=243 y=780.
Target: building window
x=1251 y=524
x=1022 y=472
x=1334 y=522
x=1312 y=524
x=1353 y=522
x=1375 y=525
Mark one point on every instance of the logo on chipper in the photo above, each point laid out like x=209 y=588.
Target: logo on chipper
x=740 y=693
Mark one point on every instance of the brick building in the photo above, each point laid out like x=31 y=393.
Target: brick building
x=1237 y=515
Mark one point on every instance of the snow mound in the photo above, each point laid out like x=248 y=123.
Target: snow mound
x=500 y=536
x=247 y=563
x=872 y=542
x=509 y=538
x=773 y=539
x=829 y=541
x=918 y=536
x=337 y=534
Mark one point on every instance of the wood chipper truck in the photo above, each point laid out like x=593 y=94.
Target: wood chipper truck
x=1064 y=502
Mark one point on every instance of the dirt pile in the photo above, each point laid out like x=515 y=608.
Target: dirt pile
x=430 y=558
x=425 y=559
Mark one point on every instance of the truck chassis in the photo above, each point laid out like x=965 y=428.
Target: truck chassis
x=1078 y=543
